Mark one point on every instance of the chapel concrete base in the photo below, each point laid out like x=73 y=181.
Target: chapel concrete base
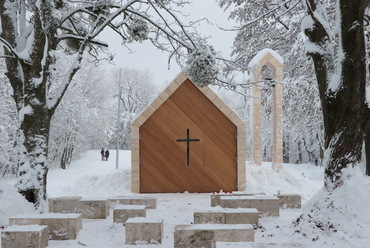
x=123 y=212
x=149 y=202
x=215 y=198
x=289 y=200
x=206 y=235
x=25 y=236
x=60 y=226
x=266 y=205
x=262 y=245
x=144 y=231
x=227 y=216
x=93 y=208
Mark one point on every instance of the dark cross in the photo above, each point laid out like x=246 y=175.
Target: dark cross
x=187 y=140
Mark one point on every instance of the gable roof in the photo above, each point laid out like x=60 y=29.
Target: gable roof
x=172 y=87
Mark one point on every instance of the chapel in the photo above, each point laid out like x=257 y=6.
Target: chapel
x=187 y=140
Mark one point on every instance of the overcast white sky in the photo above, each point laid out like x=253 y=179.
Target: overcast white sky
x=146 y=56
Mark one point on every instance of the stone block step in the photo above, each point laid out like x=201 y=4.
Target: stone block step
x=227 y=216
x=60 y=226
x=122 y=213
x=215 y=198
x=206 y=235
x=289 y=200
x=149 y=202
x=93 y=208
x=24 y=236
x=68 y=204
x=266 y=205
x=261 y=245
x=141 y=230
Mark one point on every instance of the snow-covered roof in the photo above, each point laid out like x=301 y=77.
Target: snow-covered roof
x=261 y=54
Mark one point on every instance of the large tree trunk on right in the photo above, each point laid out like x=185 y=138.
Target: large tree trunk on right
x=344 y=109
x=367 y=148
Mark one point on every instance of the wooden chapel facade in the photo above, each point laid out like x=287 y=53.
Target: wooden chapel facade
x=189 y=140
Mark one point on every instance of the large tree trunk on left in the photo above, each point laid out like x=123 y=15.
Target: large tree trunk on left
x=28 y=76
x=33 y=169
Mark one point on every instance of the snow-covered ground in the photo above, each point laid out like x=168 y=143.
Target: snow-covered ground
x=89 y=177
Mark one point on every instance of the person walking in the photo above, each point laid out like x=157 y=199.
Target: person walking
x=102 y=154
x=106 y=155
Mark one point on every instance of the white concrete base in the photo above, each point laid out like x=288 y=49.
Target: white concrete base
x=266 y=205
x=60 y=226
x=144 y=231
x=227 y=216
x=206 y=235
x=149 y=202
x=67 y=204
x=289 y=200
x=121 y=213
x=93 y=208
x=25 y=236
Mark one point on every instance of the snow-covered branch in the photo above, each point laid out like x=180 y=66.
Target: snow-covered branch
x=9 y=47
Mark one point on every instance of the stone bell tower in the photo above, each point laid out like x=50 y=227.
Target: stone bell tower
x=267 y=70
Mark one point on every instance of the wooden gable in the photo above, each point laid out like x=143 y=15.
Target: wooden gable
x=187 y=140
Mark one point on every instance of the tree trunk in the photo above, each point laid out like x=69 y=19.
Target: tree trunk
x=299 y=152
x=33 y=168
x=286 y=149
x=344 y=108
x=348 y=112
x=28 y=78
x=367 y=148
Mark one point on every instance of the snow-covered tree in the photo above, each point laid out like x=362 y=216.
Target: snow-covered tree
x=137 y=91
x=73 y=128
x=272 y=24
x=341 y=76
x=8 y=130
x=32 y=31
x=334 y=39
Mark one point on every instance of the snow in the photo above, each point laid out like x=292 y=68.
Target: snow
x=253 y=63
x=25 y=228
x=130 y=207
x=142 y=220
x=12 y=203
x=218 y=226
x=265 y=197
x=218 y=209
x=46 y=216
x=89 y=177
